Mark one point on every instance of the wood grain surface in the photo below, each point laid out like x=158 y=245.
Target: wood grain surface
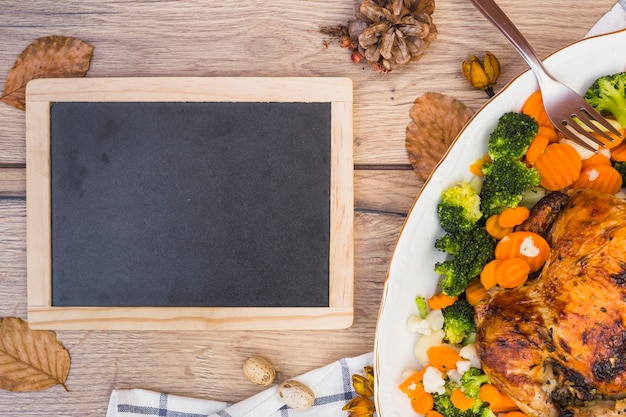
x=253 y=38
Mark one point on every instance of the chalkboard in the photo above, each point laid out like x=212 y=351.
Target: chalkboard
x=190 y=203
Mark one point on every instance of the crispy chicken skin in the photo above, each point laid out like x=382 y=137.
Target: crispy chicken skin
x=557 y=345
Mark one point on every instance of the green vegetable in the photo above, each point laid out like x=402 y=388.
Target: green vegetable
x=469 y=252
x=472 y=380
x=422 y=306
x=607 y=94
x=506 y=181
x=459 y=208
x=458 y=321
x=512 y=136
x=621 y=168
x=443 y=405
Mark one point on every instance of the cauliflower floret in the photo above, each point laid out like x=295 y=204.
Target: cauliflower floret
x=469 y=352
x=463 y=366
x=424 y=343
x=433 y=381
x=432 y=322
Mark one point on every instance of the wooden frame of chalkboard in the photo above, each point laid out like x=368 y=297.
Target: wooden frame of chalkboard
x=44 y=313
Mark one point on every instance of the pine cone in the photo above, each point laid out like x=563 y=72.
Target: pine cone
x=391 y=33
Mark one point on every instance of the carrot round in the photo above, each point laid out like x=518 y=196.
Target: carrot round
x=475 y=292
x=513 y=216
x=461 y=401
x=489 y=393
x=616 y=139
x=549 y=132
x=433 y=413
x=529 y=246
x=602 y=178
x=443 y=357
x=512 y=272
x=477 y=167
x=423 y=403
x=559 y=166
x=618 y=153
x=441 y=300
x=504 y=405
x=488 y=275
x=515 y=414
x=492 y=226
x=595 y=159
x=533 y=106
x=413 y=386
x=537 y=146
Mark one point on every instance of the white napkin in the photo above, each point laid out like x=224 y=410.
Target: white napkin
x=614 y=19
x=332 y=385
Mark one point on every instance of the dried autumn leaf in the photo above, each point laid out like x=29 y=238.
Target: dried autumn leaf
x=47 y=57
x=30 y=360
x=436 y=119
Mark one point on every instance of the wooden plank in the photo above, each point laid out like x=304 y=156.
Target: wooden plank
x=12 y=182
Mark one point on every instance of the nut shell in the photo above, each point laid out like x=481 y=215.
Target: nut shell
x=296 y=395
x=259 y=370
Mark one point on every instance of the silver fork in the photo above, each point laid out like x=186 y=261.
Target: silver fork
x=566 y=109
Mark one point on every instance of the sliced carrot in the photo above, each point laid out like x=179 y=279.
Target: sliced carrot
x=515 y=414
x=549 y=132
x=477 y=167
x=618 y=153
x=537 y=146
x=489 y=393
x=513 y=216
x=461 y=401
x=423 y=403
x=533 y=106
x=512 y=272
x=488 y=275
x=443 y=357
x=559 y=166
x=595 y=159
x=529 y=246
x=414 y=384
x=602 y=178
x=441 y=300
x=504 y=405
x=492 y=226
x=475 y=292
x=433 y=413
x=616 y=139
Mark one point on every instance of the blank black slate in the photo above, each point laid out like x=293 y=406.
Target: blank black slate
x=190 y=204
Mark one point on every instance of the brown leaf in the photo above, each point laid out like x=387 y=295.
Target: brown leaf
x=47 y=57
x=436 y=119
x=30 y=360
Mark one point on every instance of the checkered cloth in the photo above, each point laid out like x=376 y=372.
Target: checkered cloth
x=331 y=384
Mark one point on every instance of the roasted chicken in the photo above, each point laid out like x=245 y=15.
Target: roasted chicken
x=557 y=345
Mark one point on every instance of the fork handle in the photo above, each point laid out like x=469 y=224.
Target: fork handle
x=499 y=19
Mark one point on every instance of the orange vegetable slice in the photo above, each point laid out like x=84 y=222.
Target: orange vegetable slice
x=559 y=166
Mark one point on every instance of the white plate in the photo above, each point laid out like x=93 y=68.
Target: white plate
x=411 y=268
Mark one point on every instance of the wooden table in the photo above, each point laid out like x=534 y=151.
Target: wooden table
x=254 y=38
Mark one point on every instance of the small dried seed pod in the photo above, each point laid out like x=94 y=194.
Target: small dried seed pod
x=259 y=370
x=296 y=395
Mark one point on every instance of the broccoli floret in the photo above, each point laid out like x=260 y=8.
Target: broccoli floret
x=607 y=94
x=458 y=321
x=512 y=136
x=459 y=208
x=471 y=381
x=422 y=306
x=621 y=168
x=469 y=252
x=505 y=182
x=443 y=405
